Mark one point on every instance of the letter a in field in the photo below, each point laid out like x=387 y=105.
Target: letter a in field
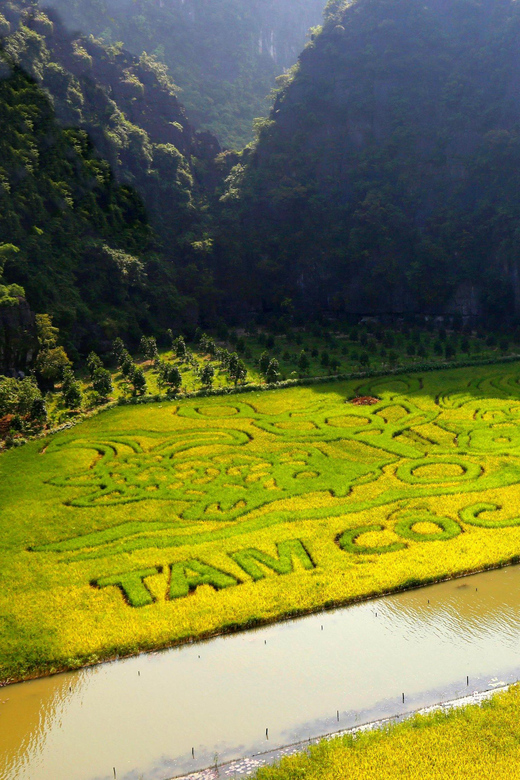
x=132 y=585
x=186 y=576
x=248 y=560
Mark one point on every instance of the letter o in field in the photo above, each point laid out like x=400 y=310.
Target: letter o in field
x=448 y=527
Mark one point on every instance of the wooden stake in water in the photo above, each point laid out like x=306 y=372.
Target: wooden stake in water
x=337 y=715
x=467 y=680
x=193 y=752
x=267 y=733
x=403 y=698
x=114 y=771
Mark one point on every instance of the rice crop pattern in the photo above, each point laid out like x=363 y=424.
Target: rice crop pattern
x=150 y=525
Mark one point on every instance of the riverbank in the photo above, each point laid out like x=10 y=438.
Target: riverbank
x=244 y=767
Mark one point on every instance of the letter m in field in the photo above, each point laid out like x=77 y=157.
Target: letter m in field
x=252 y=560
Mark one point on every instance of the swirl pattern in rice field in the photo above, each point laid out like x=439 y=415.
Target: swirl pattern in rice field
x=193 y=511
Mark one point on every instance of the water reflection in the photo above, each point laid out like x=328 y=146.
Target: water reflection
x=144 y=715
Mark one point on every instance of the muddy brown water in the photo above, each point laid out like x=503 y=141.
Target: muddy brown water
x=142 y=716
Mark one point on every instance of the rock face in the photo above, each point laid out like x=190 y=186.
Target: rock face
x=387 y=178
x=18 y=341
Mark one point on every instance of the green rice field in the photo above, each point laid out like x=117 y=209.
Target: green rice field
x=150 y=525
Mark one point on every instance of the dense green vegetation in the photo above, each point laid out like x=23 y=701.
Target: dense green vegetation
x=372 y=188
x=77 y=146
x=386 y=177
x=224 y=55
x=63 y=217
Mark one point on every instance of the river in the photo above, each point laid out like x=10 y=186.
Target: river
x=162 y=714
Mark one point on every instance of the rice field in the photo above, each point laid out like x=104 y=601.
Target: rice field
x=151 y=525
x=476 y=741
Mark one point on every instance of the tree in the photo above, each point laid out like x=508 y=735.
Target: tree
x=46 y=332
x=207 y=375
x=223 y=356
x=449 y=350
x=93 y=363
x=148 y=347
x=127 y=364
x=179 y=346
x=118 y=349
x=303 y=362
x=102 y=383
x=392 y=357
x=21 y=396
x=39 y=410
x=169 y=375
x=6 y=251
x=237 y=369
x=138 y=381
x=325 y=359
x=51 y=363
x=272 y=374
x=265 y=359
x=70 y=389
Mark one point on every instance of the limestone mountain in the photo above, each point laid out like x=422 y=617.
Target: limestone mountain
x=102 y=182
x=387 y=177
x=223 y=54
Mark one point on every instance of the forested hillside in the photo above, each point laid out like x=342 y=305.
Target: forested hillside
x=385 y=180
x=94 y=147
x=387 y=176
x=224 y=54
